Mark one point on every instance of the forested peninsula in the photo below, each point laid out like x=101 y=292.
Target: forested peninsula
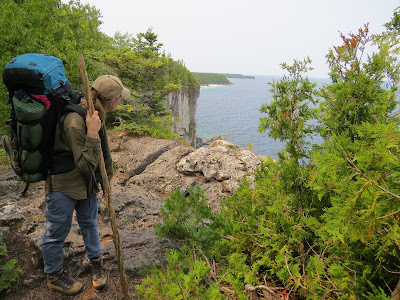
x=206 y=79
x=238 y=76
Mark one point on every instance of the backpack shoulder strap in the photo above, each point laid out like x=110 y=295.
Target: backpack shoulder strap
x=71 y=107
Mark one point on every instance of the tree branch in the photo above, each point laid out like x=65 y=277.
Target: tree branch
x=389 y=214
x=370 y=180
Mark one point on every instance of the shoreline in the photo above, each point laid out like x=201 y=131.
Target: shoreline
x=214 y=85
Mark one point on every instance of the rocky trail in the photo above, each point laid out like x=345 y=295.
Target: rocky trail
x=147 y=170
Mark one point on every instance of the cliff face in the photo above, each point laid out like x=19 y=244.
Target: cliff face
x=183 y=106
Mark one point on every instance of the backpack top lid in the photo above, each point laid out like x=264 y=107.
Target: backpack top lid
x=35 y=73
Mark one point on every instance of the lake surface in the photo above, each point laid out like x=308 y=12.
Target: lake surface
x=233 y=112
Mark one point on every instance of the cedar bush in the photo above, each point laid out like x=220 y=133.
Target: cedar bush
x=322 y=222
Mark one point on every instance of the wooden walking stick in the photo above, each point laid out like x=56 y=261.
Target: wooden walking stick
x=106 y=187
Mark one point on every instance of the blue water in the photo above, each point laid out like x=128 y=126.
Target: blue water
x=233 y=112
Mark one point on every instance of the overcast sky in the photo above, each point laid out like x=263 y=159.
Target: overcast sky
x=250 y=37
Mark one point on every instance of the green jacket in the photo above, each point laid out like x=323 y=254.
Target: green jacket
x=80 y=182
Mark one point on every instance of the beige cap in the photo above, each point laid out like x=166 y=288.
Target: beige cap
x=110 y=87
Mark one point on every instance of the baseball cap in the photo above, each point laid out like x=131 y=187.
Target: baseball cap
x=110 y=87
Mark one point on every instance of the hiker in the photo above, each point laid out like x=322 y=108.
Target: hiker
x=78 y=142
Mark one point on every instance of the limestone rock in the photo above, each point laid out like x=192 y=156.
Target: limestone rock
x=10 y=211
x=132 y=156
x=216 y=169
x=222 y=161
x=148 y=170
x=142 y=249
x=162 y=176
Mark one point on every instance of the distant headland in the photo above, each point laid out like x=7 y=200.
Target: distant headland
x=239 y=76
x=211 y=79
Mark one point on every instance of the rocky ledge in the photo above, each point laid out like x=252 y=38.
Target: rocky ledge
x=147 y=170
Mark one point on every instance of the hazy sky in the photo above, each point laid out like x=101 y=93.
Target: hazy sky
x=250 y=37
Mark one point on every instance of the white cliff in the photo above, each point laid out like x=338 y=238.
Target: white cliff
x=183 y=106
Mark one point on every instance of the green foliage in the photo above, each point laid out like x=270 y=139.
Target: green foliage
x=9 y=272
x=151 y=76
x=146 y=43
x=157 y=127
x=358 y=163
x=188 y=218
x=289 y=113
x=358 y=92
x=68 y=30
x=376 y=294
x=50 y=27
x=322 y=222
x=185 y=276
x=3 y=157
x=211 y=78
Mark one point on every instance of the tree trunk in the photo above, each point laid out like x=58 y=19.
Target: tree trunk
x=396 y=292
x=252 y=292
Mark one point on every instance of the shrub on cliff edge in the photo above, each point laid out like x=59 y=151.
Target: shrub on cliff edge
x=318 y=223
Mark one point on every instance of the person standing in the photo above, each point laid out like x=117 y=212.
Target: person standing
x=77 y=143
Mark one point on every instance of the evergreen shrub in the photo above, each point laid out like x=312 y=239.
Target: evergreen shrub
x=321 y=222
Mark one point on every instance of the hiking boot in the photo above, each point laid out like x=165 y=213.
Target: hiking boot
x=64 y=284
x=12 y=153
x=99 y=279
